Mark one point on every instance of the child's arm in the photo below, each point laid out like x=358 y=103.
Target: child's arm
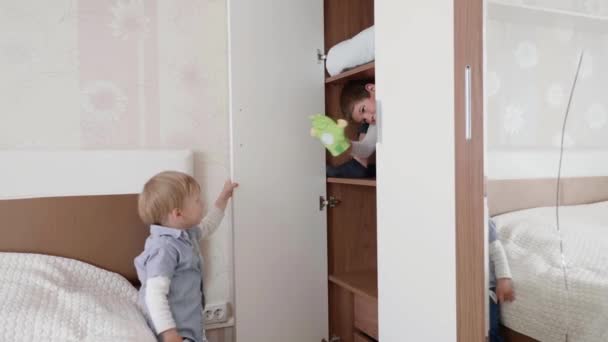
x=160 y=266
x=171 y=335
x=213 y=219
x=366 y=146
x=498 y=255
x=504 y=286
x=362 y=161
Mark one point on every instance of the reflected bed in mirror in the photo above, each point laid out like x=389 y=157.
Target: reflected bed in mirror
x=525 y=215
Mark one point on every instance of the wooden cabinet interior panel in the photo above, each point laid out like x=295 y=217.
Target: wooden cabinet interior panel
x=346 y=18
x=352 y=229
x=366 y=315
x=341 y=309
x=358 y=337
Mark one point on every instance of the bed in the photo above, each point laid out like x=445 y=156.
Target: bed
x=524 y=212
x=70 y=231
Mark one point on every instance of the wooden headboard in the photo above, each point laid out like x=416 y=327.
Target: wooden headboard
x=80 y=204
x=104 y=231
x=517 y=194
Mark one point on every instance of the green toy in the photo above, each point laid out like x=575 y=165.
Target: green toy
x=330 y=133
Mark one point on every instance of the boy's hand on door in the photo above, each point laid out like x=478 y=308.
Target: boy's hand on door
x=226 y=194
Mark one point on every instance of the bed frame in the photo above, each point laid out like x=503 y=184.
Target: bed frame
x=104 y=231
x=517 y=194
x=80 y=204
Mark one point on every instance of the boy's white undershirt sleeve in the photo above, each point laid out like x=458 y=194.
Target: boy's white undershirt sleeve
x=367 y=146
x=211 y=222
x=157 y=289
x=499 y=258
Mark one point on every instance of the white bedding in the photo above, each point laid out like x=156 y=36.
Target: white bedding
x=45 y=298
x=543 y=309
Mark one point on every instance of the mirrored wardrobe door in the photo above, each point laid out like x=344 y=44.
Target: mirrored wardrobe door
x=546 y=168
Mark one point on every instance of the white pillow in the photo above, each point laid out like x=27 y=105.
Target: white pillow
x=352 y=52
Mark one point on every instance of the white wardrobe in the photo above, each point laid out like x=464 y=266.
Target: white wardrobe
x=282 y=290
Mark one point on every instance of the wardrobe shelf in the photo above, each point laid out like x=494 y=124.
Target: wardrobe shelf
x=363 y=283
x=365 y=71
x=353 y=181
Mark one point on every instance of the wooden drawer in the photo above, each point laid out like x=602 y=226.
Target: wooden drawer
x=366 y=315
x=361 y=338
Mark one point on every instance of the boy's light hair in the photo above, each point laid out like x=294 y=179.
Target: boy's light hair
x=163 y=193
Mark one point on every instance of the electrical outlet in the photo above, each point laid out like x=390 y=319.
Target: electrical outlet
x=216 y=313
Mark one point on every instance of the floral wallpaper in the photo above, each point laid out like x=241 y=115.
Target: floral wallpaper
x=531 y=60
x=588 y=7
x=114 y=74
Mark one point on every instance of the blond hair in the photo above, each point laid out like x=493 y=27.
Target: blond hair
x=164 y=192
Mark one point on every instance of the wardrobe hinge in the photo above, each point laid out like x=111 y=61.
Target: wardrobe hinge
x=320 y=56
x=332 y=202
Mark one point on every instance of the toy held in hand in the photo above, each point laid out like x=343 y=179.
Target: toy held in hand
x=330 y=133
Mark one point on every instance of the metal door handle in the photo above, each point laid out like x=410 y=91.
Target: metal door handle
x=331 y=202
x=467 y=102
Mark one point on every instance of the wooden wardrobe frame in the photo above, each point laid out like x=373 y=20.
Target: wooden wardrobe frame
x=468 y=51
x=470 y=279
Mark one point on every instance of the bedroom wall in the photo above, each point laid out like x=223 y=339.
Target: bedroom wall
x=531 y=62
x=123 y=74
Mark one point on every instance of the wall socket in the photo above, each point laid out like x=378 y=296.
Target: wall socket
x=216 y=313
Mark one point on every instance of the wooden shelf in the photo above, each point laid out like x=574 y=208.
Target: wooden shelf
x=352 y=181
x=364 y=71
x=364 y=283
x=505 y=10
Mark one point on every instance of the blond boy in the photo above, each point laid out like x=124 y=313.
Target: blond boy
x=170 y=267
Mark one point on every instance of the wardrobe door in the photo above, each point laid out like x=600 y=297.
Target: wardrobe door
x=280 y=237
x=429 y=179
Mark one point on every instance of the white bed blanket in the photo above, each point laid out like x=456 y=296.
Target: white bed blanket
x=45 y=298
x=543 y=309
